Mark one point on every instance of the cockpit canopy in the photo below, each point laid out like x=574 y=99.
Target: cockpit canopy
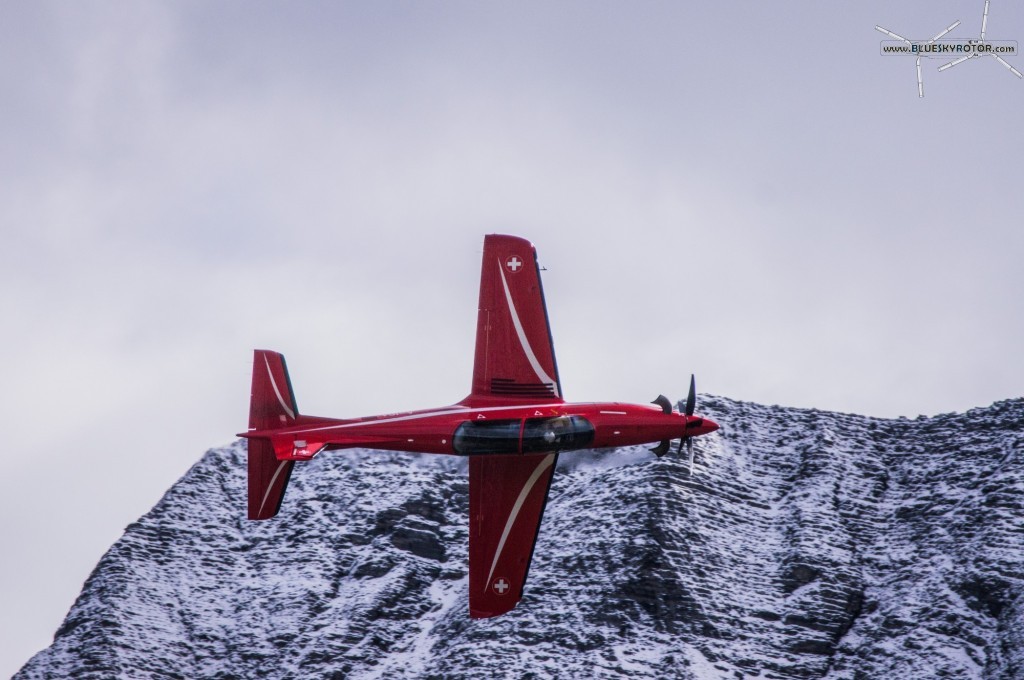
x=533 y=435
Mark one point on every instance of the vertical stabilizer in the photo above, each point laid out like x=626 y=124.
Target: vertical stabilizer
x=272 y=405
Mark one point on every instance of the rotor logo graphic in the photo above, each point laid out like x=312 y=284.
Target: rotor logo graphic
x=960 y=51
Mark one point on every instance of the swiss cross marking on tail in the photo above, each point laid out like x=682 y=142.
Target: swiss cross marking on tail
x=500 y=585
x=513 y=264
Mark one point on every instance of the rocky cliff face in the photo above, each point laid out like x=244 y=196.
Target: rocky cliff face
x=807 y=545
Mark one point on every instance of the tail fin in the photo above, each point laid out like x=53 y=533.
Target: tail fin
x=273 y=402
x=272 y=405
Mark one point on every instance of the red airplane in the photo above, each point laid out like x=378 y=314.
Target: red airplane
x=512 y=426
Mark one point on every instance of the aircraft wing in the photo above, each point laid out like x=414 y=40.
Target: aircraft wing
x=507 y=495
x=515 y=357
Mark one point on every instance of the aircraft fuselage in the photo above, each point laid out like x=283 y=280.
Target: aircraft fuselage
x=479 y=428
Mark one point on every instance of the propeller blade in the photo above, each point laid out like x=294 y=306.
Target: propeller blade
x=664 y=403
x=954 y=63
x=948 y=29
x=894 y=35
x=662 y=448
x=691 y=398
x=920 y=83
x=1007 y=65
x=689 y=448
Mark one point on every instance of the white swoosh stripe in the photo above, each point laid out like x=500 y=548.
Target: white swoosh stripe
x=530 y=356
x=543 y=465
x=273 y=384
x=271 y=485
x=417 y=416
x=396 y=419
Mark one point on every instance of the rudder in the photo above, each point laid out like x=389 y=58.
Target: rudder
x=272 y=402
x=268 y=479
x=271 y=405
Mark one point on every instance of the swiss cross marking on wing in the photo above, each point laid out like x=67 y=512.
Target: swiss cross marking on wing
x=513 y=264
x=500 y=585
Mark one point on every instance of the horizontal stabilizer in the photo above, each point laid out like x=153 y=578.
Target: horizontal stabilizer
x=289 y=447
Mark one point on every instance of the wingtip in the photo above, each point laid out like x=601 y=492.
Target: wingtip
x=490 y=614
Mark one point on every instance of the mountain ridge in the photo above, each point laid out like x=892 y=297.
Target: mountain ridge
x=808 y=544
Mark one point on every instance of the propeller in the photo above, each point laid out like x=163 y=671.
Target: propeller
x=897 y=36
x=687 y=408
x=691 y=398
x=691 y=404
x=666 y=406
x=664 y=403
x=980 y=41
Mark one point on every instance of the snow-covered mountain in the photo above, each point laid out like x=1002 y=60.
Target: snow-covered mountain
x=807 y=545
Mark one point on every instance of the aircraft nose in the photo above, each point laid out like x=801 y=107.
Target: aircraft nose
x=699 y=426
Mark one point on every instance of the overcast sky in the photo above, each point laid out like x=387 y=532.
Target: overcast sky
x=748 y=191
